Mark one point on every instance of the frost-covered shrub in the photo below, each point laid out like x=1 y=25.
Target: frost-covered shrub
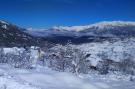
x=127 y=66
x=22 y=60
x=66 y=58
x=59 y=58
x=103 y=67
x=2 y=56
x=19 y=57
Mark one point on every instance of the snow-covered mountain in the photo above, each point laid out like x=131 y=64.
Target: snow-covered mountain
x=97 y=28
x=99 y=25
x=12 y=35
x=83 y=34
x=50 y=32
x=111 y=29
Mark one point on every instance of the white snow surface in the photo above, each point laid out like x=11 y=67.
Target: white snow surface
x=45 y=78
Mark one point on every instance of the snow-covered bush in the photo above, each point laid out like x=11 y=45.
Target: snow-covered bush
x=67 y=58
x=22 y=60
x=106 y=57
x=19 y=57
x=3 y=58
x=103 y=67
x=126 y=65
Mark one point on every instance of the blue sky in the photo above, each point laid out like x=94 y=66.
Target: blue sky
x=48 y=13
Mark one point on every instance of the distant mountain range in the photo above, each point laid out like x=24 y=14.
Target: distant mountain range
x=12 y=35
x=83 y=34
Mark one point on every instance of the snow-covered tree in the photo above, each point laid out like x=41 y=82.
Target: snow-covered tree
x=2 y=56
x=20 y=60
x=67 y=58
x=127 y=65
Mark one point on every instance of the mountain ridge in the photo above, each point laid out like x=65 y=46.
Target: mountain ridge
x=97 y=32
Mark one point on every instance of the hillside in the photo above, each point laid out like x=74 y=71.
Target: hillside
x=12 y=35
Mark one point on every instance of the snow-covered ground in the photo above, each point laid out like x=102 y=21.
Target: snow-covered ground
x=44 y=78
x=10 y=81
x=114 y=51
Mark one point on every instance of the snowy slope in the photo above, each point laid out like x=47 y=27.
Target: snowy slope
x=44 y=78
x=115 y=51
x=12 y=35
x=8 y=81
